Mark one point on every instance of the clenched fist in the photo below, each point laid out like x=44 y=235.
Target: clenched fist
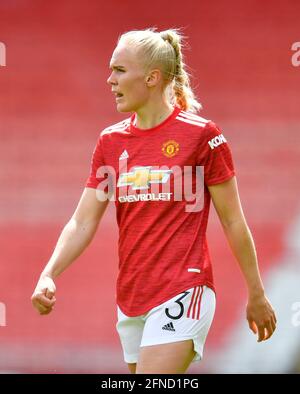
x=43 y=297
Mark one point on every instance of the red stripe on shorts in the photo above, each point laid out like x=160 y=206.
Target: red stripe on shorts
x=191 y=311
x=191 y=303
x=199 y=307
x=196 y=303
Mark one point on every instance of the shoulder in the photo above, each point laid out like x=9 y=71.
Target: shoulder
x=116 y=128
x=190 y=118
x=203 y=128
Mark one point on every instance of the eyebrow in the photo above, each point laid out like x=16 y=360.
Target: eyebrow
x=112 y=66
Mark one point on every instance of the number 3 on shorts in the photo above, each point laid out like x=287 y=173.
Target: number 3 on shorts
x=181 y=307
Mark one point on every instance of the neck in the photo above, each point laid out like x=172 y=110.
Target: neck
x=153 y=114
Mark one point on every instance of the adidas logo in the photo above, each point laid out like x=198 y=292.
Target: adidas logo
x=169 y=327
x=124 y=155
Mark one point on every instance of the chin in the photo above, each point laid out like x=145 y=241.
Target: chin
x=123 y=108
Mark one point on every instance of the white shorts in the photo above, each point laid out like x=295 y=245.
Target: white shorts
x=188 y=315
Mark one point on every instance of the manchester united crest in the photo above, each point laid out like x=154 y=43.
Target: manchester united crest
x=170 y=148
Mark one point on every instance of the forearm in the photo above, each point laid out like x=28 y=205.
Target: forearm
x=242 y=245
x=74 y=238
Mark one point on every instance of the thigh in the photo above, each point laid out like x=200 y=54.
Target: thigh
x=132 y=367
x=170 y=358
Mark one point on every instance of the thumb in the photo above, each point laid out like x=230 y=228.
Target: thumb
x=49 y=294
x=50 y=288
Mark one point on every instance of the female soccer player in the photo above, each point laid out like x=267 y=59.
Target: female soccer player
x=165 y=289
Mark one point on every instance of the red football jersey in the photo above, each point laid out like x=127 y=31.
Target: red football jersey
x=162 y=241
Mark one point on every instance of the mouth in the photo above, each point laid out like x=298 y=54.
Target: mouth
x=118 y=95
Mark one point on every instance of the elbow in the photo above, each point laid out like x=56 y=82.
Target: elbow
x=84 y=225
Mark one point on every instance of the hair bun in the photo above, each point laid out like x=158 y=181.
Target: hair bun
x=170 y=36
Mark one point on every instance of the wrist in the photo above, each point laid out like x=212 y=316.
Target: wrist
x=256 y=292
x=47 y=274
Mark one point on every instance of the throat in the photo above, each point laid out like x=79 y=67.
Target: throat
x=150 y=120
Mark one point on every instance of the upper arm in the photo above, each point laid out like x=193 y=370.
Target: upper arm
x=90 y=208
x=226 y=200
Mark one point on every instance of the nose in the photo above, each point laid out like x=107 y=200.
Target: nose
x=111 y=80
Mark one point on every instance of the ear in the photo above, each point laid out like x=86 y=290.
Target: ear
x=153 y=78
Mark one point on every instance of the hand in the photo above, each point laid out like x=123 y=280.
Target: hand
x=43 y=297
x=261 y=317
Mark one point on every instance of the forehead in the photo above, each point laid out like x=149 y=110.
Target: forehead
x=125 y=56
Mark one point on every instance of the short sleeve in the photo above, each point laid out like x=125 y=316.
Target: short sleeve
x=97 y=168
x=215 y=156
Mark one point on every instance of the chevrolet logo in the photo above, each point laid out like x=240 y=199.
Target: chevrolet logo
x=142 y=177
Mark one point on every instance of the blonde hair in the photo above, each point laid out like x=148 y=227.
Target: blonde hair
x=164 y=50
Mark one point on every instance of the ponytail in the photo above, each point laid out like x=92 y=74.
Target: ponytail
x=182 y=91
